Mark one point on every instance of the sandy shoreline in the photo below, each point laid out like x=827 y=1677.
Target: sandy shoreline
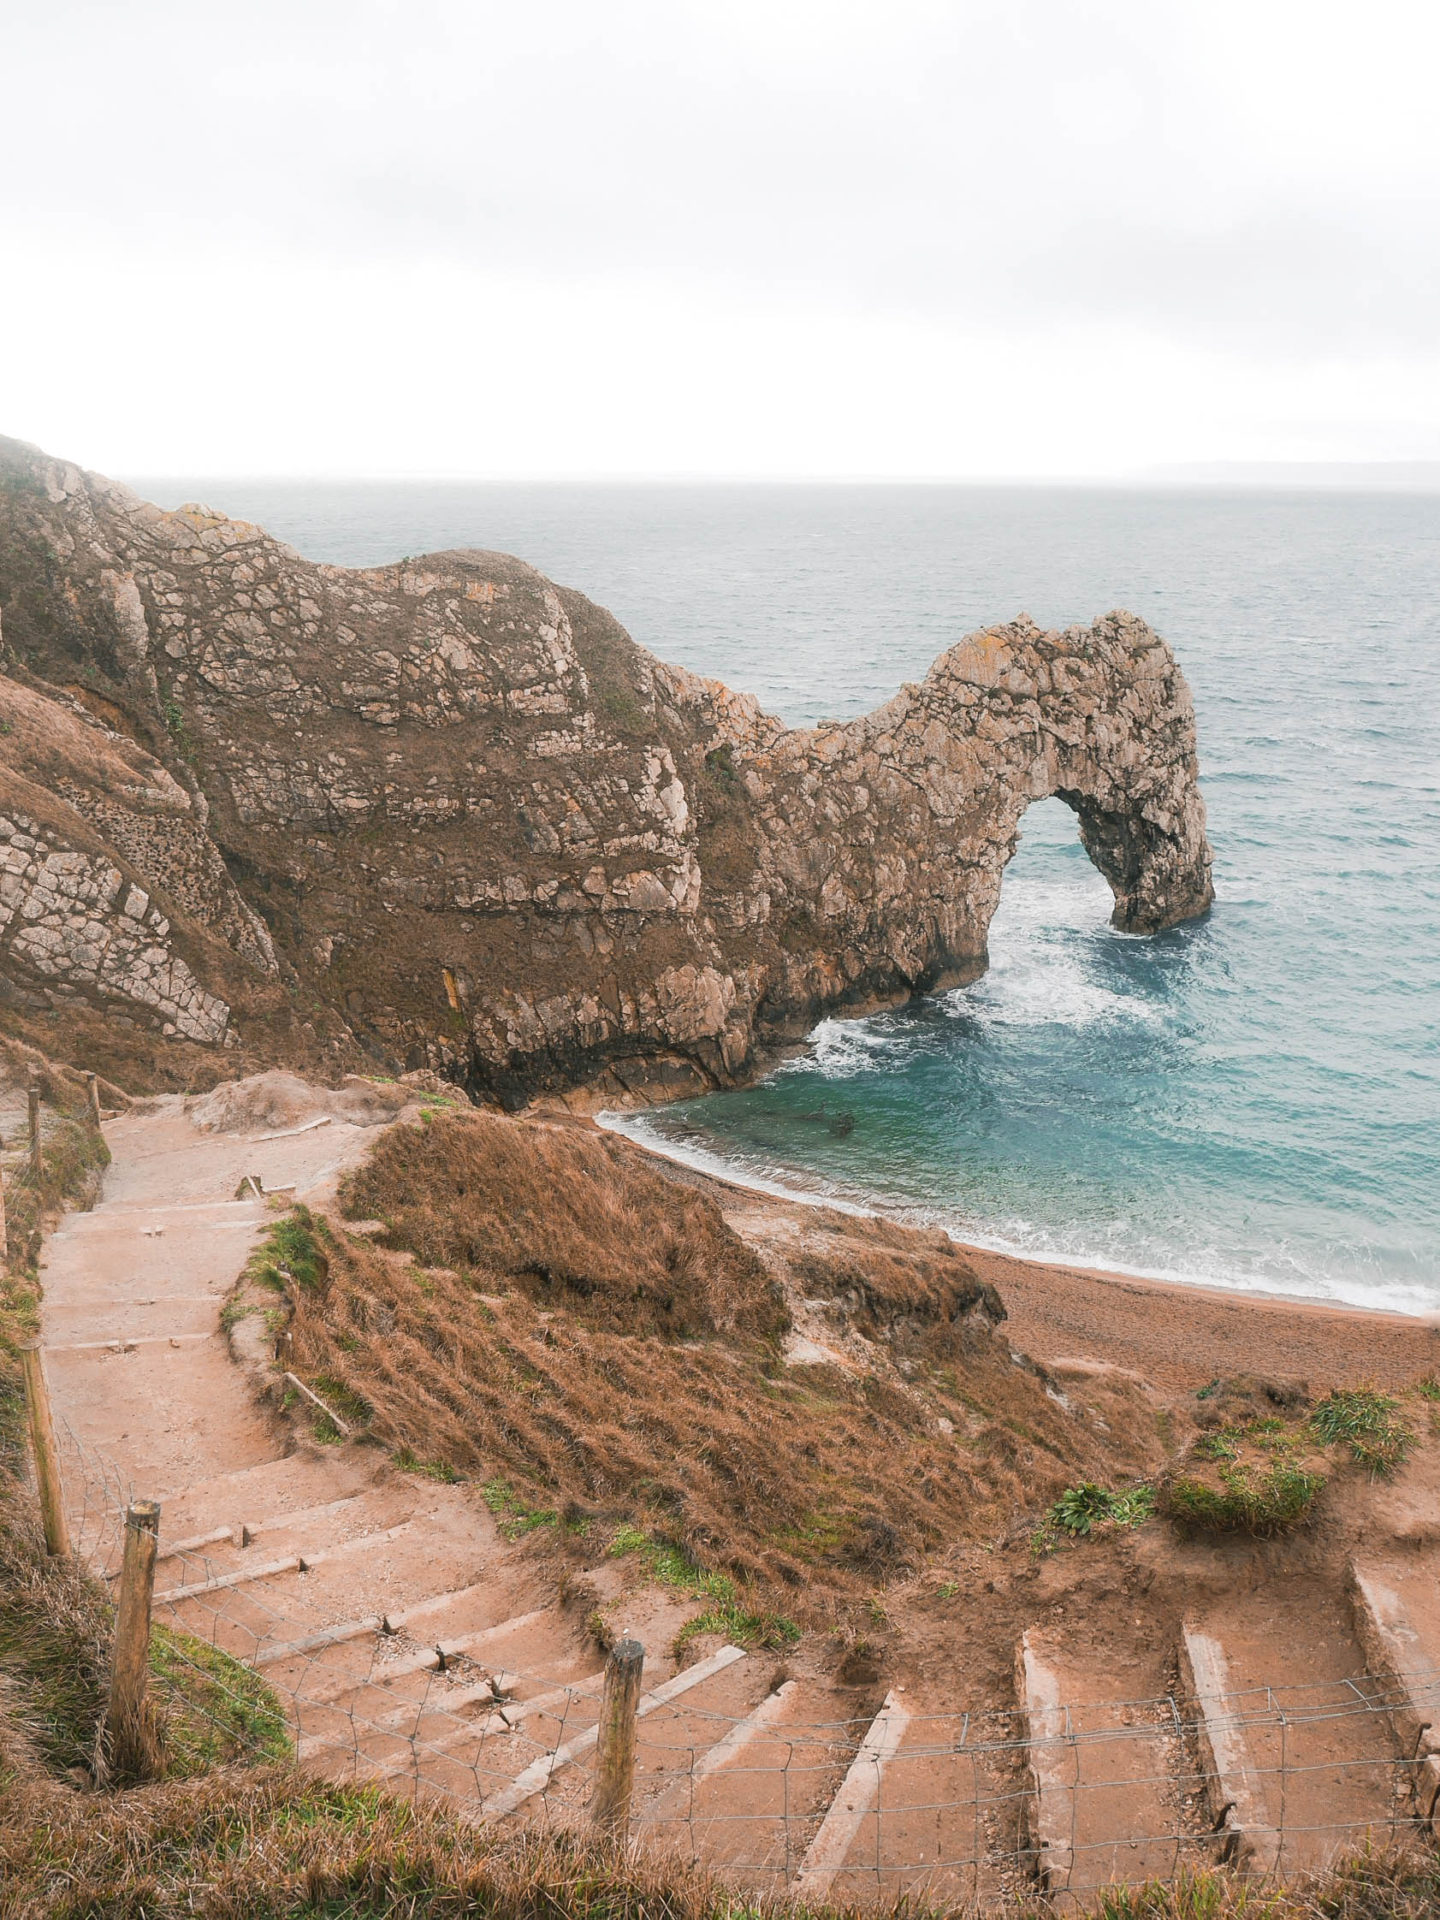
x=1182 y=1336
x=1179 y=1336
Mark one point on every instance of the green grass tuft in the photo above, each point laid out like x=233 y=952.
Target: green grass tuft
x=1251 y=1497
x=215 y=1709
x=441 y=1470
x=725 y=1615
x=351 y=1405
x=1370 y=1424
x=740 y=1626
x=515 y=1515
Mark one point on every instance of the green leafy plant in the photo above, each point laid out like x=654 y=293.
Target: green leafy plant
x=1081 y=1510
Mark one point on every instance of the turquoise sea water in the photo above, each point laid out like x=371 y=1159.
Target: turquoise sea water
x=1252 y=1100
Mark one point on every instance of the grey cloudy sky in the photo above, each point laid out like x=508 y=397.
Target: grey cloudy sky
x=923 y=237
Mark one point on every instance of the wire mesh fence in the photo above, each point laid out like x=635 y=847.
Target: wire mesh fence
x=97 y=1494
x=738 y=1769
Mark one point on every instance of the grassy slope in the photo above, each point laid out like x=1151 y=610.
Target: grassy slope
x=271 y=1845
x=594 y=1342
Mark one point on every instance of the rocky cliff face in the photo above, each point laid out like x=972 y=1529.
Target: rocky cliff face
x=471 y=825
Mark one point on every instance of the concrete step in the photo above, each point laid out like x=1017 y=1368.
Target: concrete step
x=762 y=1783
x=1397 y=1621
x=1112 y=1795
x=536 y=1778
x=855 y=1802
x=1313 y=1732
x=298 y=1482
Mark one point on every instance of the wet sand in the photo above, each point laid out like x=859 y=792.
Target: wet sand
x=1181 y=1337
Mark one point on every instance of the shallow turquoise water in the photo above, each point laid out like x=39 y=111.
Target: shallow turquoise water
x=1253 y=1099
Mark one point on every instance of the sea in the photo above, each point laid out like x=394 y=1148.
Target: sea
x=1251 y=1101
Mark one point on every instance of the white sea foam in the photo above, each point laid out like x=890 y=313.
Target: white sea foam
x=784 y=1183
x=1042 y=967
x=843 y=1048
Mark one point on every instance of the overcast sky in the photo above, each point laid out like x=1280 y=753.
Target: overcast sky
x=746 y=237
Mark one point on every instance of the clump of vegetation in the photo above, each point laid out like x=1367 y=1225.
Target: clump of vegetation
x=515 y=1514
x=1249 y=1498
x=56 y=1626
x=293 y=1253
x=1260 y=1478
x=213 y=1708
x=1370 y=1424
x=177 y=728
x=337 y=1393
x=741 y=1626
x=1263 y=1475
x=441 y=1470
x=1089 y=1508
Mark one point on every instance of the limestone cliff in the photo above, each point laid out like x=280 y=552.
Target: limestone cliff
x=484 y=831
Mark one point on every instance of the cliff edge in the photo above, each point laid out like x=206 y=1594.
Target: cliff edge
x=447 y=814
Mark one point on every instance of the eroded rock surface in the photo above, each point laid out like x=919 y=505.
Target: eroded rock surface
x=489 y=834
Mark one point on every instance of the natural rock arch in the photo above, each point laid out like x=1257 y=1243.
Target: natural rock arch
x=490 y=834
x=884 y=839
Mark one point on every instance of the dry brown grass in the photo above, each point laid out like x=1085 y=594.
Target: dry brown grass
x=544 y=1356
x=572 y=1218
x=274 y=1845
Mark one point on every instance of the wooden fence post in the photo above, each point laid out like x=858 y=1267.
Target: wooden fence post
x=133 y=1754
x=35 y=1143
x=615 y=1753
x=47 y=1454
x=93 y=1081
